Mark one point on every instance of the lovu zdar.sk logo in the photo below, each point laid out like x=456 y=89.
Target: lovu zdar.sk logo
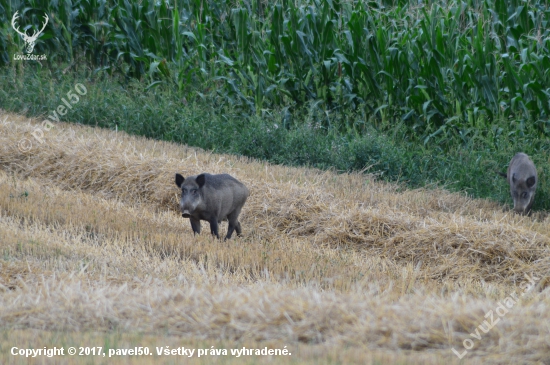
x=29 y=40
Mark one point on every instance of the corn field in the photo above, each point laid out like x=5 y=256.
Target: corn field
x=439 y=68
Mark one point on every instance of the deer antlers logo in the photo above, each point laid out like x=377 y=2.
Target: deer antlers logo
x=31 y=41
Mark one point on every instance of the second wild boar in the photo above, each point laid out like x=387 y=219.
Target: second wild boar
x=213 y=198
x=522 y=177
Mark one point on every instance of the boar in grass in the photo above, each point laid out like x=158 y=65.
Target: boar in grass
x=522 y=177
x=213 y=198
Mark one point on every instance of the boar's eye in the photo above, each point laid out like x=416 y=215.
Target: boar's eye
x=194 y=191
x=524 y=195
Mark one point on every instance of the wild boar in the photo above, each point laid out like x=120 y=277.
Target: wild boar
x=213 y=198
x=522 y=177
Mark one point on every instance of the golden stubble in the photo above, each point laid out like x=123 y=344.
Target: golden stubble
x=91 y=240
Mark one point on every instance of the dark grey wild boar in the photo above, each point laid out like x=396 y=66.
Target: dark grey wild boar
x=213 y=198
x=522 y=177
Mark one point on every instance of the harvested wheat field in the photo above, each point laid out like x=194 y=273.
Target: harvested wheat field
x=333 y=268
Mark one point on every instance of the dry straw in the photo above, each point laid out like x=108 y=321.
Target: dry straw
x=92 y=240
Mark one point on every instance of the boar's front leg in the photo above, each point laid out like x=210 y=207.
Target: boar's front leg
x=195 y=224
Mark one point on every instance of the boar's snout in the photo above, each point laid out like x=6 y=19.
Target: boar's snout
x=520 y=205
x=523 y=194
x=190 y=195
x=190 y=199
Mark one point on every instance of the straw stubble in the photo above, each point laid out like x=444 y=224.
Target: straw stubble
x=92 y=240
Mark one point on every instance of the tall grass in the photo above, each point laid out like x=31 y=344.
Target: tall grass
x=447 y=71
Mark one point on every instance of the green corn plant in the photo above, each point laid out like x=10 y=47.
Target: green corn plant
x=441 y=69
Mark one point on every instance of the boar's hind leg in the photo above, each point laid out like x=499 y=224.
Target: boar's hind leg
x=230 y=230
x=214 y=227
x=196 y=225
x=233 y=224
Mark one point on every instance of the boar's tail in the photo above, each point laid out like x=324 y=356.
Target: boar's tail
x=501 y=174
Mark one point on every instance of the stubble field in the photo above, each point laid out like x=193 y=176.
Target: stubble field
x=339 y=268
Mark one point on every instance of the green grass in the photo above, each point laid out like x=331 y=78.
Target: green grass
x=391 y=152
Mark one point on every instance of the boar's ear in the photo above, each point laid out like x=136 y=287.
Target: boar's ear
x=179 y=180
x=531 y=181
x=201 y=179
